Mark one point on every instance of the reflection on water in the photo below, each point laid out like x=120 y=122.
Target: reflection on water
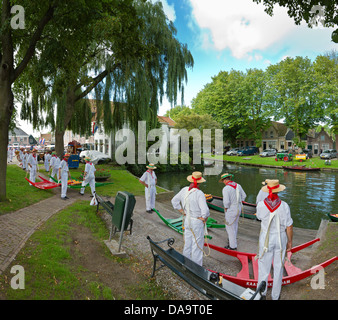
x=310 y=195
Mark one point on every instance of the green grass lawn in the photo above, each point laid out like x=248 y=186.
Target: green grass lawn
x=54 y=269
x=270 y=161
x=19 y=193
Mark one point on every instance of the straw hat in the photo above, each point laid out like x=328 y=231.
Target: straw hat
x=226 y=175
x=274 y=186
x=265 y=182
x=197 y=176
x=151 y=166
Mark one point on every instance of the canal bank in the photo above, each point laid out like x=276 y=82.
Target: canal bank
x=328 y=168
x=146 y=224
x=310 y=195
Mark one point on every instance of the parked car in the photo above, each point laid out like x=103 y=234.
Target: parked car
x=96 y=157
x=248 y=151
x=308 y=153
x=328 y=154
x=232 y=152
x=268 y=153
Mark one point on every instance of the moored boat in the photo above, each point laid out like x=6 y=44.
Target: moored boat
x=301 y=168
x=216 y=203
x=333 y=217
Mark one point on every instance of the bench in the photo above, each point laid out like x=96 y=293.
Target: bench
x=206 y=282
x=120 y=214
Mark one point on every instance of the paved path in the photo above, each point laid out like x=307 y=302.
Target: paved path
x=17 y=227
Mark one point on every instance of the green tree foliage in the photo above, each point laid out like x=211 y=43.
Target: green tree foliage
x=293 y=95
x=238 y=101
x=132 y=51
x=178 y=111
x=326 y=90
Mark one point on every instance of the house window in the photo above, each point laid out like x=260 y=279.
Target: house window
x=325 y=146
x=322 y=138
x=271 y=134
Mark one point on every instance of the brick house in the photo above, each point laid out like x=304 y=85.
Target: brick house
x=320 y=141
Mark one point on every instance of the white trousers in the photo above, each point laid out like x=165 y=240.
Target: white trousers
x=32 y=173
x=55 y=172
x=194 y=241
x=232 y=232
x=64 y=184
x=150 y=194
x=273 y=255
x=91 y=182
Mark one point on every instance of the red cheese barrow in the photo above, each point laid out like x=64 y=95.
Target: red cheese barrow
x=44 y=184
x=294 y=274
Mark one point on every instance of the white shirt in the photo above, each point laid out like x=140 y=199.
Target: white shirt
x=198 y=204
x=149 y=178
x=90 y=169
x=33 y=161
x=261 y=195
x=283 y=211
x=64 y=166
x=230 y=199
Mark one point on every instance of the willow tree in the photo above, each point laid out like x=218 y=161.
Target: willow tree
x=18 y=45
x=130 y=57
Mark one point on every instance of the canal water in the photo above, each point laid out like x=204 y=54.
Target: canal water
x=310 y=195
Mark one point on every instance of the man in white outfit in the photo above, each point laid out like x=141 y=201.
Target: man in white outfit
x=191 y=202
x=233 y=195
x=88 y=176
x=149 y=180
x=47 y=160
x=54 y=166
x=64 y=175
x=276 y=236
x=32 y=164
x=262 y=194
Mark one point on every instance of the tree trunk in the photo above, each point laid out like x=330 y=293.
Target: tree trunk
x=6 y=111
x=59 y=132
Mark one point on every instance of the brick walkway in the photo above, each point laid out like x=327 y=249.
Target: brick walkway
x=16 y=227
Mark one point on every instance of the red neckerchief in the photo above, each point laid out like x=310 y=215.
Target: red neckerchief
x=151 y=172
x=232 y=184
x=272 y=201
x=194 y=184
x=66 y=159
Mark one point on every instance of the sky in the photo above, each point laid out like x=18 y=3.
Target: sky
x=235 y=34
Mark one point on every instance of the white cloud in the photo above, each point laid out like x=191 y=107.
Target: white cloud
x=241 y=26
x=169 y=10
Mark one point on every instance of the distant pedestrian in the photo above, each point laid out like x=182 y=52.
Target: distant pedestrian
x=191 y=202
x=275 y=237
x=88 y=176
x=64 y=175
x=233 y=195
x=47 y=158
x=32 y=163
x=149 y=180
x=54 y=165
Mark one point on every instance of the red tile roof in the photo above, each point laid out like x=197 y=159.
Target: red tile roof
x=167 y=120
